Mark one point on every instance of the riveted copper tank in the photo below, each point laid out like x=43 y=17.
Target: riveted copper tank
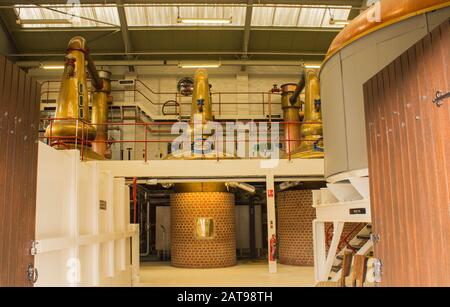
x=100 y=113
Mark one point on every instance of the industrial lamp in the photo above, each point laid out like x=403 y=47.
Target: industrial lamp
x=43 y=21
x=204 y=20
x=200 y=65
x=339 y=22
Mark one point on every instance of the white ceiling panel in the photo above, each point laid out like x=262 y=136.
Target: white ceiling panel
x=103 y=16
x=167 y=15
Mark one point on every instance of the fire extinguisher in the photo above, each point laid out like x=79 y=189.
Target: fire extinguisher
x=273 y=248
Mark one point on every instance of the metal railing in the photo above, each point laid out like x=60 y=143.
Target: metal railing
x=141 y=91
x=152 y=134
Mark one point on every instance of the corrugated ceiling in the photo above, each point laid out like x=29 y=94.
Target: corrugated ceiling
x=268 y=16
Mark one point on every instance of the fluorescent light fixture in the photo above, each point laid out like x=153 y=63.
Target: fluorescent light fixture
x=52 y=67
x=205 y=20
x=44 y=22
x=199 y=65
x=339 y=22
x=313 y=66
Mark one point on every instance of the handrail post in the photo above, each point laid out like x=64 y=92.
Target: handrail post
x=289 y=141
x=263 y=105
x=145 y=150
x=270 y=108
x=82 y=140
x=51 y=132
x=220 y=104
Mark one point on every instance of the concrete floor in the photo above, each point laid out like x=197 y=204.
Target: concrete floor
x=246 y=273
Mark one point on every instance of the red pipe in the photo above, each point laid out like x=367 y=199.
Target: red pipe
x=134 y=199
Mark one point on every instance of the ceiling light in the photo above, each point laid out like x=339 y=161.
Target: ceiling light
x=44 y=22
x=339 y=22
x=52 y=67
x=199 y=65
x=204 y=20
x=313 y=66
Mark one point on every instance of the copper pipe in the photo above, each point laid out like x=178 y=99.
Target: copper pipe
x=100 y=113
x=291 y=116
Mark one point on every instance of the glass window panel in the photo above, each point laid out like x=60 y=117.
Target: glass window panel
x=286 y=17
x=167 y=15
x=311 y=17
x=263 y=16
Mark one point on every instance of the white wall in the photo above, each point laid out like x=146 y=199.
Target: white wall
x=80 y=243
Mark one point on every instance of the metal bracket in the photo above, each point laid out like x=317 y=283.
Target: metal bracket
x=375 y=237
x=438 y=100
x=33 y=250
x=32 y=274
x=377 y=270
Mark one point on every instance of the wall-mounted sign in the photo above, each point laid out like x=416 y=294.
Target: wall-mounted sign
x=270 y=193
x=355 y=211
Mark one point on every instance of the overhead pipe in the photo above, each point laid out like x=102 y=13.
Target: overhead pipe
x=291 y=105
x=241 y=185
x=300 y=86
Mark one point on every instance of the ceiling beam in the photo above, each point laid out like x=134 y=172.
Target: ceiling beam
x=174 y=63
x=174 y=2
x=183 y=28
x=128 y=47
x=247 y=28
x=10 y=44
x=197 y=52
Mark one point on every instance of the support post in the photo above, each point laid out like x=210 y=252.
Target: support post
x=135 y=267
x=319 y=248
x=271 y=224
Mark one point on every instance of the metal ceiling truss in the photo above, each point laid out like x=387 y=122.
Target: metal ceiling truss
x=129 y=53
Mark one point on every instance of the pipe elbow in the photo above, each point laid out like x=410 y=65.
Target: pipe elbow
x=300 y=86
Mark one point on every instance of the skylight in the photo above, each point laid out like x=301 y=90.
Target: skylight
x=168 y=15
x=147 y=15
x=32 y=16
x=299 y=16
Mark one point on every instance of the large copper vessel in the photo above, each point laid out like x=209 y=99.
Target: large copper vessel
x=72 y=124
x=100 y=100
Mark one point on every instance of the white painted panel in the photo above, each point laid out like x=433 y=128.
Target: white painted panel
x=333 y=114
x=77 y=243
